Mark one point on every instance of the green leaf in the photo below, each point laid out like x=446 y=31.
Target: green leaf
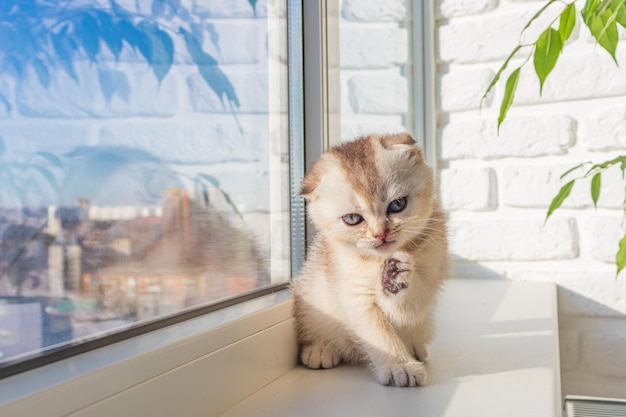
x=620 y=257
x=620 y=16
x=567 y=22
x=606 y=164
x=496 y=77
x=604 y=30
x=596 y=183
x=590 y=9
x=532 y=19
x=509 y=95
x=623 y=167
x=572 y=169
x=560 y=197
x=547 y=50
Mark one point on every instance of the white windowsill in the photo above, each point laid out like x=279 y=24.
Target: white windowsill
x=496 y=353
x=77 y=384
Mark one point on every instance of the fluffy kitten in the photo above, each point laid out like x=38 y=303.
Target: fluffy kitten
x=370 y=282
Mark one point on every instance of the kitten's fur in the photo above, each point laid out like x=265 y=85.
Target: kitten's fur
x=368 y=291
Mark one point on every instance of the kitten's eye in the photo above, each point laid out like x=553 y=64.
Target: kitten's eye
x=352 y=219
x=396 y=206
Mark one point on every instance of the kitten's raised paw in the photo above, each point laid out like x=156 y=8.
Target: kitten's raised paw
x=392 y=268
x=316 y=357
x=409 y=374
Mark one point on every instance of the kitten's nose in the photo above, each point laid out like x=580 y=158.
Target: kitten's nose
x=381 y=236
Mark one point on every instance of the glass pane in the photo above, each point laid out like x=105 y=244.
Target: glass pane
x=143 y=162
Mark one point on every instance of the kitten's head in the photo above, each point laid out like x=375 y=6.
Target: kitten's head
x=374 y=194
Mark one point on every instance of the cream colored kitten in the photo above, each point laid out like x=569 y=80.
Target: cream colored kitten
x=372 y=275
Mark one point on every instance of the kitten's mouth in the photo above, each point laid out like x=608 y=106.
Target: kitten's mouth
x=384 y=245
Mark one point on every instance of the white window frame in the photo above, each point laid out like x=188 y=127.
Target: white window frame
x=226 y=355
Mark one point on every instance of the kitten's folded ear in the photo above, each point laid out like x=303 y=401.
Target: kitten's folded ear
x=311 y=180
x=402 y=141
x=397 y=139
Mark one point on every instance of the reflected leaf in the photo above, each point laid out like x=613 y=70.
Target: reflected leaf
x=253 y=5
x=48 y=176
x=6 y=103
x=112 y=82
x=207 y=66
x=135 y=38
x=158 y=7
x=51 y=158
x=109 y=34
x=211 y=179
x=88 y=33
x=42 y=72
x=162 y=48
x=65 y=48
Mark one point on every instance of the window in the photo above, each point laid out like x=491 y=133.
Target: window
x=144 y=165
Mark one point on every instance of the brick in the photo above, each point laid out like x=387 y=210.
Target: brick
x=575 y=76
x=246 y=184
x=251 y=89
x=210 y=142
x=229 y=9
x=604 y=350
x=455 y=8
x=55 y=136
x=604 y=130
x=481 y=39
x=468 y=189
x=378 y=94
x=380 y=46
x=513 y=239
x=139 y=94
x=601 y=236
x=463 y=89
x=220 y=140
x=241 y=41
x=520 y=136
x=535 y=186
x=374 y=10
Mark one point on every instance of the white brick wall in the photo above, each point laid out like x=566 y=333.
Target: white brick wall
x=497 y=229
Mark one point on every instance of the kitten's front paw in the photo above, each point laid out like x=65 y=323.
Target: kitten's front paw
x=393 y=270
x=409 y=374
x=316 y=357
